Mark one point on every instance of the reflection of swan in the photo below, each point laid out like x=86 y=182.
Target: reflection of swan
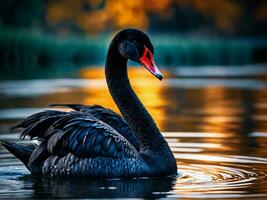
x=96 y=142
x=86 y=188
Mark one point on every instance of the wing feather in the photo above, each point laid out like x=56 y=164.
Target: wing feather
x=109 y=117
x=74 y=132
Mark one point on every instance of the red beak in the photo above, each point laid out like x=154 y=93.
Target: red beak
x=147 y=60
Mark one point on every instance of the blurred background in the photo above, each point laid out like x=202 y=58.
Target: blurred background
x=184 y=32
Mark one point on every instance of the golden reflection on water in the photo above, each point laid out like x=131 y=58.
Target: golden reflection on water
x=207 y=109
x=147 y=87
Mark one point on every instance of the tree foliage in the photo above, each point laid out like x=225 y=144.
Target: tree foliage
x=227 y=17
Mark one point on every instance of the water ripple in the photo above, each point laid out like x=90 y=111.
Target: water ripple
x=208 y=181
x=212 y=181
x=201 y=175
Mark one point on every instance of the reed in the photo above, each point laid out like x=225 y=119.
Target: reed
x=33 y=47
x=171 y=49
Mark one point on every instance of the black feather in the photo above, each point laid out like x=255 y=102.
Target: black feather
x=108 y=116
x=39 y=154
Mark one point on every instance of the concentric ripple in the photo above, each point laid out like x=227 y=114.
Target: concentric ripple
x=210 y=181
x=203 y=178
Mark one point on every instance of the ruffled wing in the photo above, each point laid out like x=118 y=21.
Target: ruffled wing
x=76 y=132
x=109 y=117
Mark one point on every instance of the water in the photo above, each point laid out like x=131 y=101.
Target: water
x=216 y=128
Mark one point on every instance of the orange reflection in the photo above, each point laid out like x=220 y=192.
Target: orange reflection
x=218 y=111
x=147 y=87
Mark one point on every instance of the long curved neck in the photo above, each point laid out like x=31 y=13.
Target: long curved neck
x=138 y=118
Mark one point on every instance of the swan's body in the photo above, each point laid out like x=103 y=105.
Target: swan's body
x=94 y=141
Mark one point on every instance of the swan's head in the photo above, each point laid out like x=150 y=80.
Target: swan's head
x=136 y=46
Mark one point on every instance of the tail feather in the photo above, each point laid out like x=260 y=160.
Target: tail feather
x=22 y=152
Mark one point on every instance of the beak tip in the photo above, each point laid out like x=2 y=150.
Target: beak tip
x=159 y=76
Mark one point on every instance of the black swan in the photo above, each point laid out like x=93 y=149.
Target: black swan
x=96 y=142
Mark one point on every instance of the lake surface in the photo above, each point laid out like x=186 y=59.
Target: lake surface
x=215 y=124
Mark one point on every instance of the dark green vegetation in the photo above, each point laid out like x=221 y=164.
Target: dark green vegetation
x=38 y=33
x=28 y=48
x=32 y=47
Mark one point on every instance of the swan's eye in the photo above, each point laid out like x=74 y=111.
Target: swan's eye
x=128 y=50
